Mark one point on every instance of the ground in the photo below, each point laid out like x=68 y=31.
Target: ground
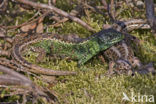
x=90 y=86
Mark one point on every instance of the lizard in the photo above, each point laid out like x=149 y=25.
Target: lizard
x=121 y=55
x=121 y=58
x=80 y=50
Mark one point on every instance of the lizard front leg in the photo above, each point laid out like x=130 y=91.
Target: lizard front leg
x=41 y=54
x=84 y=59
x=94 y=50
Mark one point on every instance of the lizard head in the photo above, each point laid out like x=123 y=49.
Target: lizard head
x=109 y=37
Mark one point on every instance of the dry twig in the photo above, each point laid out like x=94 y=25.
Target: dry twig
x=59 y=11
x=14 y=78
x=32 y=20
x=150 y=14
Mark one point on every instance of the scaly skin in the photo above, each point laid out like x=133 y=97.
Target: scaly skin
x=81 y=51
x=84 y=50
x=17 y=55
x=121 y=58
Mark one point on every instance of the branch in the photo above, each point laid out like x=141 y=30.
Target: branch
x=150 y=14
x=10 y=80
x=4 y=53
x=20 y=79
x=30 y=21
x=14 y=78
x=59 y=11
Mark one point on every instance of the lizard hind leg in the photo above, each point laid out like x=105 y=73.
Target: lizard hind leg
x=41 y=54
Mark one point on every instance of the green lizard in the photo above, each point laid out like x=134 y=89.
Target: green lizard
x=81 y=50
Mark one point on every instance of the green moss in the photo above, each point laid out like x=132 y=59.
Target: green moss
x=90 y=86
